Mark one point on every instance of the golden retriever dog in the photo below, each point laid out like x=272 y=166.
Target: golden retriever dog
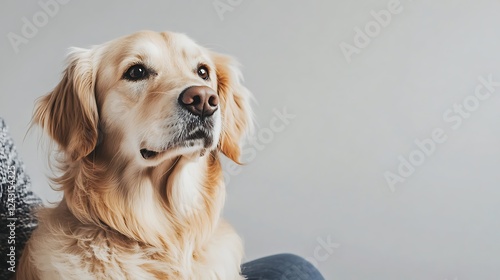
x=141 y=122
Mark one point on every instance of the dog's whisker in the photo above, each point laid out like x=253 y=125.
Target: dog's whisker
x=172 y=166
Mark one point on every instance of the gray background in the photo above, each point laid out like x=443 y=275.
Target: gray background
x=322 y=177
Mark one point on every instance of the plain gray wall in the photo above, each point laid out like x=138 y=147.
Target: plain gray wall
x=320 y=178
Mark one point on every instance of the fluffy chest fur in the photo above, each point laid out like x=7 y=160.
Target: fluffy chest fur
x=191 y=241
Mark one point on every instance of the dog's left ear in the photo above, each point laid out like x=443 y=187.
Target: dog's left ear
x=69 y=112
x=235 y=106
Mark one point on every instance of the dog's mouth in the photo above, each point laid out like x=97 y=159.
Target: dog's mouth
x=148 y=154
x=197 y=138
x=198 y=134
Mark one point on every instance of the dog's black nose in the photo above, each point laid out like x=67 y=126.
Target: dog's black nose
x=199 y=100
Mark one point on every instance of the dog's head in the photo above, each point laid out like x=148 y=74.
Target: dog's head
x=148 y=97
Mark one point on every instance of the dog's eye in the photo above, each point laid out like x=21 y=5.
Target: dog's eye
x=136 y=73
x=203 y=72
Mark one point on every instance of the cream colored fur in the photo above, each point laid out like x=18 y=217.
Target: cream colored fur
x=122 y=216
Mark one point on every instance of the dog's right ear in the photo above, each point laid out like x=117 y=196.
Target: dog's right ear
x=235 y=99
x=69 y=113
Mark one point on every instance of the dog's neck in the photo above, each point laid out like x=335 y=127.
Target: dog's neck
x=155 y=204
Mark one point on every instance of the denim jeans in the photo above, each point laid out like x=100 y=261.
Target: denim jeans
x=280 y=267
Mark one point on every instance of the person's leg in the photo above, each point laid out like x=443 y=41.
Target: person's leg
x=280 y=267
